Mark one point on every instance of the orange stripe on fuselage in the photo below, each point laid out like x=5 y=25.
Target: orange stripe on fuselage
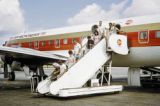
x=133 y=40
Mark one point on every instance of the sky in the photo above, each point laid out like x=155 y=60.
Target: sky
x=20 y=16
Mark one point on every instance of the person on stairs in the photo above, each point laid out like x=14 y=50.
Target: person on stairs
x=90 y=43
x=77 y=50
x=71 y=59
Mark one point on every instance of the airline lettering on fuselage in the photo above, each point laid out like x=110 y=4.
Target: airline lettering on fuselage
x=28 y=35
x=128 y=22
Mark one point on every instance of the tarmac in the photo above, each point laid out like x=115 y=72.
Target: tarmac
x=17 y=93
x=128 y=97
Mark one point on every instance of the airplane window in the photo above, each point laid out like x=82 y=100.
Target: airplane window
x=43 y=43
x=143 y=35
x=65 y=41
x=74 y=39
x=51 y=42
x=158 y=34
x=57 y=43
x=36 y=43
x=30 y=44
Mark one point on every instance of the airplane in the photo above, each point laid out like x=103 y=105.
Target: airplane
x=43 y=47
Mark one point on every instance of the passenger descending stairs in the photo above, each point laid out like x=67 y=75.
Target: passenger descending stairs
x=81 y=72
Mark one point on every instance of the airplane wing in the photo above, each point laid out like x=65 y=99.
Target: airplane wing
x=29 y=56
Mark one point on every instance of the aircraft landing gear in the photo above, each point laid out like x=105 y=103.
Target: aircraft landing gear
x=5 y=70
x=8 y=73
x=11 y=76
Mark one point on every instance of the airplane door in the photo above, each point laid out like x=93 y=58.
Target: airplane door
x=118 y=44
x=143 y=37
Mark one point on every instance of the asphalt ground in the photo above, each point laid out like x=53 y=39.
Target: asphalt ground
x=128 y=97
x=18 y=93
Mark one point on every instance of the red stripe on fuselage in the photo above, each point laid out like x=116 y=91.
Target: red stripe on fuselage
x=133 y=41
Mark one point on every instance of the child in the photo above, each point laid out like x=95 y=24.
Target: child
x=71 y=59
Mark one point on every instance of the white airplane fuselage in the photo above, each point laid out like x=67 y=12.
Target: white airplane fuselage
x=143 y=36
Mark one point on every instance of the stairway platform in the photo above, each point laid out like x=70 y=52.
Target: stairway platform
x=89 y=91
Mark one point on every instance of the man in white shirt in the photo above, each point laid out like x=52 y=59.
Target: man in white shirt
x=63 y=68
x=60 y=69
x=101 y=29
x=77 y=50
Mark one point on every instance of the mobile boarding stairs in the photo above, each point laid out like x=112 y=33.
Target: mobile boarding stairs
x=74 y=81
